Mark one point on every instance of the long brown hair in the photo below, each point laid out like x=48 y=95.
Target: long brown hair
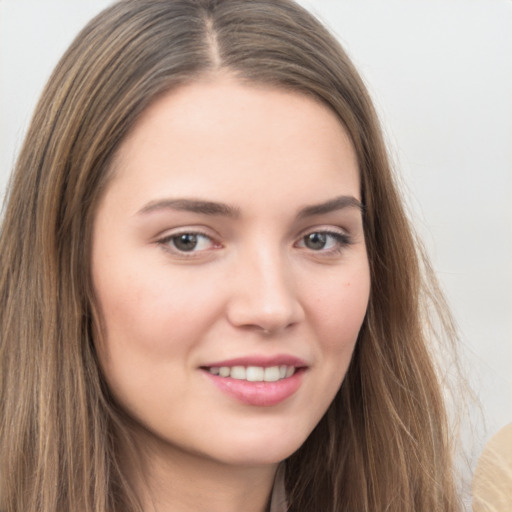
x=382 y=445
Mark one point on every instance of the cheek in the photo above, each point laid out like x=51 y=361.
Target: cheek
x=142 y=309
x=337 y=308
x=148 y=333
x=340 y=310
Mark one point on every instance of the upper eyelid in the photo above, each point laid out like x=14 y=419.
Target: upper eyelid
x=325 y=228
x=208 y=232
x=197 y=230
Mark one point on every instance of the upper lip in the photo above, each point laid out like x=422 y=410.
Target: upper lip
x=259 y=360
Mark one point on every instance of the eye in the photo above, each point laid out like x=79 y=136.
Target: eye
x=188 y=242
x=324 y=241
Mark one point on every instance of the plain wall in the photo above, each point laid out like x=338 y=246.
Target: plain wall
x=440 y=72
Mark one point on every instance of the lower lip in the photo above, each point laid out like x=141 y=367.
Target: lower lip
x=262 y=394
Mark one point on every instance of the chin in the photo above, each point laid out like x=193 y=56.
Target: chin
x=260 y=450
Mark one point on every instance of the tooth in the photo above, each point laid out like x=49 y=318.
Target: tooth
x=254 y=373
x=224 y=371
x=238 y=372
x=272 y=374
x=290 y=370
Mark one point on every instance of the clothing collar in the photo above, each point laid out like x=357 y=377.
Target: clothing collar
x=278 y=502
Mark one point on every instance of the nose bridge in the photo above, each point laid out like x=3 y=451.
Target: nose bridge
x=264 y=293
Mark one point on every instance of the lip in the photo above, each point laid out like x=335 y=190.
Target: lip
x=260 y=394
x=264 y=361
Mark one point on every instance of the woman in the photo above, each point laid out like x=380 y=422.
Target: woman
x=223 y=303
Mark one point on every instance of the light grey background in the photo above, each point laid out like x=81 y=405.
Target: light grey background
x=440 y=72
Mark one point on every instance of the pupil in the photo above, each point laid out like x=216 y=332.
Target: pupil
x=185 y=242
x=316 y=241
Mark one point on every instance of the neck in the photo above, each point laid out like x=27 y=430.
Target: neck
x=168 y=479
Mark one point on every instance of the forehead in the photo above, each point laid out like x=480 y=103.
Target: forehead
x=223 y=136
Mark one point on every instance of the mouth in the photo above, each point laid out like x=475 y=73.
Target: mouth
x=258 y=381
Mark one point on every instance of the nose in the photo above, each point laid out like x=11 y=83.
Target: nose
x=264 y=295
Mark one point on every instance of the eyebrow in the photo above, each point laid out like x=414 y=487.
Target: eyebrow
x=224 y=210
x=192 y=205
x=338 y=203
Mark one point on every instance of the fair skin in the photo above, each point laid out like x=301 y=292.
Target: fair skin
x=230 y=237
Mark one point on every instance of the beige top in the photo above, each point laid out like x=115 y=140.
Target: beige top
x=492 y=483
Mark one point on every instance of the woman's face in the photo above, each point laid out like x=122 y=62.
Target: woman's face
x=230 y=269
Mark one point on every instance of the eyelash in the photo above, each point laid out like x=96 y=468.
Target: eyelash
x=342 y=240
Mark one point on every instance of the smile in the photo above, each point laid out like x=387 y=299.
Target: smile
x=258 y=380
x=254 y=373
